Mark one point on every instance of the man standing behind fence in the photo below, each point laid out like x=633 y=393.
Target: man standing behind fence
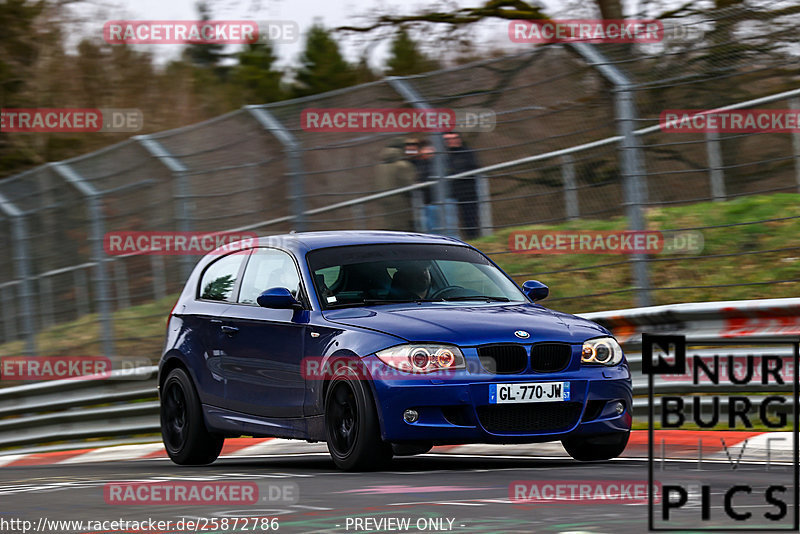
x=394 y=172
x=461 y=159
x=420 y=154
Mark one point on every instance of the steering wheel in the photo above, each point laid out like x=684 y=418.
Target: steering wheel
x=440 y=293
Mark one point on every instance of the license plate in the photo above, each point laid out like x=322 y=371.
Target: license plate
x=531 y=392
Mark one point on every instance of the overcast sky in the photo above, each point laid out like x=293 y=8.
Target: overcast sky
x=331 y=13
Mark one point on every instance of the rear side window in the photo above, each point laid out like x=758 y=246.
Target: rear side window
x=268 y=268
x=219 y=278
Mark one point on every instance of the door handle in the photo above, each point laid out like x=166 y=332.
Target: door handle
x=228 y=330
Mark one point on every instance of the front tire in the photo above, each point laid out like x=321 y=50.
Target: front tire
x=594 y=448
x=351 y=424
x=183 y=430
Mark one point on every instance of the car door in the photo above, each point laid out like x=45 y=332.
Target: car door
x=263 y=348
x=216 y=292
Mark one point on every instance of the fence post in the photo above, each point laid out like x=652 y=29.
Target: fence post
x=715 y=171
x=93 y=200
x=633 y=174
x=294 y=155
x=22 y=271
x=571 y=205
x=794 y=103
x=182 y=192
x=443 y=185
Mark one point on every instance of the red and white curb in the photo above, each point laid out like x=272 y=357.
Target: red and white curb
x=676 y=444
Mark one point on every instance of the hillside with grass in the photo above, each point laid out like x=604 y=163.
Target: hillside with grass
x=751 y=250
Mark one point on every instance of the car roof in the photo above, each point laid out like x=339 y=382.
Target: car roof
x=302 y=242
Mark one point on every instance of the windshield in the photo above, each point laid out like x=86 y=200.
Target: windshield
x=367 y=275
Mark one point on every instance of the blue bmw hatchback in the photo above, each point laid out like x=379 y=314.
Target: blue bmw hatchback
x=381 y=344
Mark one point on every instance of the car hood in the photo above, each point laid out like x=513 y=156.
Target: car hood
x=469 y=324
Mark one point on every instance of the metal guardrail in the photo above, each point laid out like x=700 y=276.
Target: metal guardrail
x=120 y=403
x=124 y=402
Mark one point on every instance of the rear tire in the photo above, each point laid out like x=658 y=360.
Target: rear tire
x=352 y=428
x=594 y=448
x=186 y=438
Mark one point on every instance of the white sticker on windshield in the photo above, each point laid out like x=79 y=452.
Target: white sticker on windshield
x=331 y=299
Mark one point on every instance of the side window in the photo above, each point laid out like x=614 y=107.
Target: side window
x=268 y=268
x=219 y=279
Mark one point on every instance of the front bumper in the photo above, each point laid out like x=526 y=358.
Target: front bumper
x=457 y=409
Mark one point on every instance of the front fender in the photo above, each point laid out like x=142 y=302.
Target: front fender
x=337 y=343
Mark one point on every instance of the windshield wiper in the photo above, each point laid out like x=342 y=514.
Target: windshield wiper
x=364 y=302
x=478 y=297
x=387 y=301
x=374 y=302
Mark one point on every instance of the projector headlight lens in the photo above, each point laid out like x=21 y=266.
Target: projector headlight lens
x=601 y=351
x=419 y=358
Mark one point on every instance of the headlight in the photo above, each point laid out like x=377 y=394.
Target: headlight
x=602 y=351
x=415 y=358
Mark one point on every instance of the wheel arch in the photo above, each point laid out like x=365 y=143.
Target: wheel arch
x=174 y=359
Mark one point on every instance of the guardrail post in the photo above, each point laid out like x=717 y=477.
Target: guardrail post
x=22 y=271
x=182 y=192
x=715 y=172
x=93 y=201
x=571 y=205
x=443 y=185
x=294 y=155
x=794 y=103
x=633 y=175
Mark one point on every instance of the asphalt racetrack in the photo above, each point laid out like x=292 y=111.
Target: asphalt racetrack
x=432 y=493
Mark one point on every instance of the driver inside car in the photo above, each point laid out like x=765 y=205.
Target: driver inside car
x=412 y=281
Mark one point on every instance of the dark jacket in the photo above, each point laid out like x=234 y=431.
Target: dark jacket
x=460 y=160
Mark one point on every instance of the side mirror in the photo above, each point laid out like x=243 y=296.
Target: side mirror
x=535 y=290
x=278 y=298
